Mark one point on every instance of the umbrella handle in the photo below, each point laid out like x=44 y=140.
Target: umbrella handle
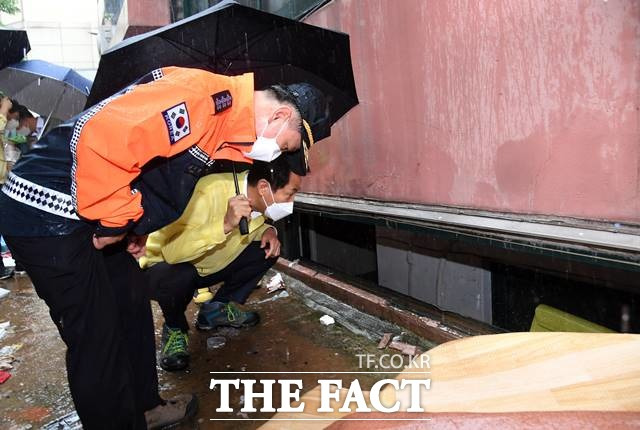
x=244 y=222
x=244 y=226
x=55 y=107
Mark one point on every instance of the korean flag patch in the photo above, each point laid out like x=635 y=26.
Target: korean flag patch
x=177 y=120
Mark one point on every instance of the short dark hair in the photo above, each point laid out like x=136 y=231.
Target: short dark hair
x=277 y=173
x=280 y=93
x=283 y=96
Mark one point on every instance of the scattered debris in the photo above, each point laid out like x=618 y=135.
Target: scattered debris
x=4 y=376
x=405 y=348
x=280 y=295
x=294 y=262
x=3 y=292
x=327 y=320
x=68 y=422
x=6 y=362
x=22 y=427
x=3 y=329
x=386 y=338
x=215 y=342
x=8 y=262
x=276 y=283
x=10 y=350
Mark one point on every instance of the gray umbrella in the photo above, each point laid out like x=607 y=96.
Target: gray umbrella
x=57 y=92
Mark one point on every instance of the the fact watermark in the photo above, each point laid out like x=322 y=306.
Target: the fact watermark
x=335 y=395
x=393 y=361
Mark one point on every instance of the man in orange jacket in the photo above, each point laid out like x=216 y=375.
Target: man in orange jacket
x=123 y=169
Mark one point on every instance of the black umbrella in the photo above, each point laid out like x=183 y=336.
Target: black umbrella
x=14 y=45
x=231 y=39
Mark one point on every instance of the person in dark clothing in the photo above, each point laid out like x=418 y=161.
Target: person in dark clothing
x=75 y=211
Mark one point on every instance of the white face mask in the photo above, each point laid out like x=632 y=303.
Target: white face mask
x=12 y=125
x=277 y=211
x=24 y=131
x=266 y=148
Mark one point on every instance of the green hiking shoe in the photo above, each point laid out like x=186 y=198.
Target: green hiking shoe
x=175 y=355
x=217 y=314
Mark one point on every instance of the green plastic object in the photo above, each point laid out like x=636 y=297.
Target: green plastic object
x=551 y=319
x=17 y=139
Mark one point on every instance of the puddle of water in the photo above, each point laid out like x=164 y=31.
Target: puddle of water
x=289 y=338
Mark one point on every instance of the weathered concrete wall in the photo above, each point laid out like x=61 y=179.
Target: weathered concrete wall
x=149 y=13
x=529 y=106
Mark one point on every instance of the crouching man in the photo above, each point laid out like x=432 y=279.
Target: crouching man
x=205 y=247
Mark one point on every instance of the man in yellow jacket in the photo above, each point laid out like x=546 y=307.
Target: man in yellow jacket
x=205 y=247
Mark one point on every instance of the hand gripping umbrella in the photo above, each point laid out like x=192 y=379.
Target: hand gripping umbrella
x=232 y=39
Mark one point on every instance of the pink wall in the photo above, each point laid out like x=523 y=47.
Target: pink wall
x=529 y=106
x=148 y=13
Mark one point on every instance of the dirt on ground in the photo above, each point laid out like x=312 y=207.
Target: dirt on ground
x=289 y=338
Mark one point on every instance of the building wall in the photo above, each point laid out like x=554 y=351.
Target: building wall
x=134 y=17
x=149 y=13
x=526 y=106
x=60 y=31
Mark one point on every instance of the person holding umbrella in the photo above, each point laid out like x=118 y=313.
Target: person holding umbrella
x=205 y=247
x=27 y=127
x=76 y=210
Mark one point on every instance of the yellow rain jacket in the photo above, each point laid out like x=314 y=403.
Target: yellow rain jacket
x=198 y=237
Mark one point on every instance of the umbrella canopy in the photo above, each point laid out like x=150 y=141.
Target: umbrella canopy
x=231 y=39
x=14 y=45
x=51 y=90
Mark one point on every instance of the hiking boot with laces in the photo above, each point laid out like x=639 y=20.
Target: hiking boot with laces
x=174 y=355
x=217 y=314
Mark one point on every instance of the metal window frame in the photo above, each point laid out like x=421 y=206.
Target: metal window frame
x=597 y=237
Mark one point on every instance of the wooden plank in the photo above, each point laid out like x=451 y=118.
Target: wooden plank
x=531 y=372
x=312 y=403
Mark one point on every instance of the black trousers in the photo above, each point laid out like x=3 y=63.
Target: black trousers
x=172 y=285
x=99 y=302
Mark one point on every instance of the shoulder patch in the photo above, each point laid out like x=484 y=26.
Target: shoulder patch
x=177 y=121
x=222 y=100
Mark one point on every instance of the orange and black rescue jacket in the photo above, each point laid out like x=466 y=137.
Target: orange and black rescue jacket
x=131 y=162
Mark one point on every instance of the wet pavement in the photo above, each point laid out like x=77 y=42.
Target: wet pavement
x=289 y=338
